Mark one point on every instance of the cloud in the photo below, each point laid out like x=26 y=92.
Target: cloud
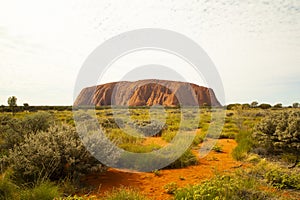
x=43 y=44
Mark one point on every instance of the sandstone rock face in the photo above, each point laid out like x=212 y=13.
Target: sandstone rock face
x=147 y=93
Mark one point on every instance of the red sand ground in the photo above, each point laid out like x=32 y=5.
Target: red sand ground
x=153 y=186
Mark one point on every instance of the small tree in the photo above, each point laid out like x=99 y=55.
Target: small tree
x=278 y=105
x=26 y=106
x=2 y=108
x=264 y=106
x=232 y=106
x=246 y=106
x=295 y=105
x=254 y=104
x=12 y=103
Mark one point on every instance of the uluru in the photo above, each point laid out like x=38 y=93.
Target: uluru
x=147 y=92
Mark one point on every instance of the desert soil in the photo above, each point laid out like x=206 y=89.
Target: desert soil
x=153 y=186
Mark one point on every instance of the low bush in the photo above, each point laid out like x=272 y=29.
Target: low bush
x=8 y=189
x=111 y=122
x=171 y=188
x=124 y=193
x=68 y=187
x=223 y=187
x=122 y=137
x=217 y=149
x=280 y=133
x=76 y=197
x=229 y=130
x=146 y=163
x=138 y=148
x=143 y=163
x=276 y=175
x=253 y=158
x=227 y=135
x=168 y=135
x=283 y=179
x=149 y=128
x=187 y=159
x=199 y=138
x=13 y=130
x=157 y=172
x=43 y=191
x=39 y=121
x=245 y=145
x=54 y=154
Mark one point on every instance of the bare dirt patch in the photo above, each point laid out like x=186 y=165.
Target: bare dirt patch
x=153 y=186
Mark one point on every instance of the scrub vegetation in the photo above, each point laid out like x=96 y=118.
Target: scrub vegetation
x=43 y=157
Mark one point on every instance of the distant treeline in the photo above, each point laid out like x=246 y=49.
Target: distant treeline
x=67 y=108
x=34 y=108
x=261 y=106
x=70 y=108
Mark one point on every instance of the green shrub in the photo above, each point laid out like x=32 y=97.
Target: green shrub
x=265 y=106
x=187 y=159
x=54 y=154
x=198 y=139
x=157 y=172
x=229 y=130
x=168 y=135
x=289 y=158
x=124 y=193
x=145 y=163
x=229 y=114
x=138 y=148
x=110 y=122
x=76 y=197
x=280 y=133
x=283 y=179
x=217 y=148
x=276 y=175
x=68 y=187
x=227 y=135
x=245 y=144
x=43 y=191
x=149 y=128
x=253 y=158
x=223 y=187
x=39 y=121
x=122 y=137
x=13 y=130
x=8 y=189
x=171 y=188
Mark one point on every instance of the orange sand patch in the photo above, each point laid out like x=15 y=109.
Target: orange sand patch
x=153 y=186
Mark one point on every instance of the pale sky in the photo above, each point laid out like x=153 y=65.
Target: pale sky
x=254 y=44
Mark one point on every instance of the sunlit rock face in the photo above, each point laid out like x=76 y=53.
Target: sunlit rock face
x=147 y=93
